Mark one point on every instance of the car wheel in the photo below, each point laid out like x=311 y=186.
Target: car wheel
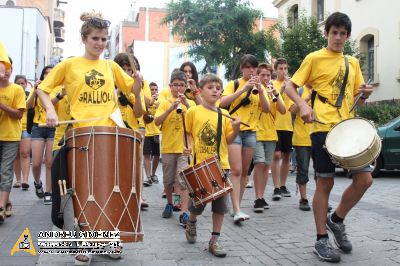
x=377 y=166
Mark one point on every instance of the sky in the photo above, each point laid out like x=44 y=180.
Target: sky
x=118 y=12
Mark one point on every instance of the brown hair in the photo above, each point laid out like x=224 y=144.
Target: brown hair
x=209 y=77
x=92 y=21
x=280 y=61
x=264 y=66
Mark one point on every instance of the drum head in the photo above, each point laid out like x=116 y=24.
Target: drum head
x=350 y=137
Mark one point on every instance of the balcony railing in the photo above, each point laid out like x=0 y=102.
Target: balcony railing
x=59 y=15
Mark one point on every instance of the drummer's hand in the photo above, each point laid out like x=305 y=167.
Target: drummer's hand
x=187 y=151
x=306 y=112
x=51 y=118
x=137 y=86
x=366 y=90
x=235 y=121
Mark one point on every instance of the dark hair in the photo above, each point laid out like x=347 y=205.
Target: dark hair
x=338 y=19
x=280 y=61
x=209 y=77
x=17 y=77
x=178 y=75
x=264 y=66
x=153 y=84
x=11 y=61
x=122 y=59
x=195 y=75
x=43 y=71
x=92 y=21
x=248 y=59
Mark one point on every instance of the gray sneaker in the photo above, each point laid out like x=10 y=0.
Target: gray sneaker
x=216 y=249
x=324 y=250
x=338 y=231
x=191 y=232
x=303 y=205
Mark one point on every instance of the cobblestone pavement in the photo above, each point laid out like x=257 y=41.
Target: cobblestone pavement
x=282 y=235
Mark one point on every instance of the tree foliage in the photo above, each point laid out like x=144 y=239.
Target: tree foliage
x=219 y=31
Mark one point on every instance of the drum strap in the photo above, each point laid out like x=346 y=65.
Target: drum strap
x=219 y=130
x=339 y=100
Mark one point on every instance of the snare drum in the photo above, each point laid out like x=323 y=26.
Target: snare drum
x=206 y=181
x=104 y=166
x=353 y=143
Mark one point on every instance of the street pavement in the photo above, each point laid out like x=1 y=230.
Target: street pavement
x=282 y=235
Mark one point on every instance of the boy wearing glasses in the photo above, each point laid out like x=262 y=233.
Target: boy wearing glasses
x=170 y=115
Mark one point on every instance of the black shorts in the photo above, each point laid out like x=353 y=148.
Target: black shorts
x=284 y=143
x=151 y=146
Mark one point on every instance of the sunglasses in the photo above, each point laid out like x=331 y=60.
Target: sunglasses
x=101 y=23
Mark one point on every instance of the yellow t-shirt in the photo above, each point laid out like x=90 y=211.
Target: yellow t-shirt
x=13 y=96
x=151 y=128
x=283 y=121
x=40 y=111
x=324 y=71
x=265 y=129
x=301 y=131
x=24 y=118
x=90 y=87
x=248 y=114
x=202 y=123
x=127 y=112
x=62 y=108
x=172 y=127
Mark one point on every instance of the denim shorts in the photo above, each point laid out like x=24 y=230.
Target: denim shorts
x=264 y=152
x=323 y=165
x=246 y=139
x=42 y=133
x=25 y=135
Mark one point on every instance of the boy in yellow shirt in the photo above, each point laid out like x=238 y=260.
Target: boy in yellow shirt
x=325 y=71
x=169 y=115
x=12 y=107
x=202 y=118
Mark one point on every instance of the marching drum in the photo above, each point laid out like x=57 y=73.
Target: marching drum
x=353 y=143
x=206 y=181
x=104 y=168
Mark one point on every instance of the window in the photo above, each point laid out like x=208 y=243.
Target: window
x=320 y=10
x=370 y=59
x=293 y=17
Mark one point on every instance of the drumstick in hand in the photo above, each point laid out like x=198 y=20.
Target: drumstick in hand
x=74 y=121
x=358 y=98
x=60 y=187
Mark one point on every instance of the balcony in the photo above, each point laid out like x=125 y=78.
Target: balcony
x=59 y=33
x=59 y=15
x=57 y=51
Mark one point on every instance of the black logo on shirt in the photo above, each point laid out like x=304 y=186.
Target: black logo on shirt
x=208 y=139
x=94 y=79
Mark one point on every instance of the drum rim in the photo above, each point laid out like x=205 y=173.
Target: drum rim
x=70 y=136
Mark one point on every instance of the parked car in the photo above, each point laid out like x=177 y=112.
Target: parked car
x=389 y=158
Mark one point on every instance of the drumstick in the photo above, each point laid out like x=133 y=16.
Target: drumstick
x=60 y=187
x=230 y=117
x=132 y=62
x=74 y=121
x=65 y=186
x=358 y=98
x=184 y=135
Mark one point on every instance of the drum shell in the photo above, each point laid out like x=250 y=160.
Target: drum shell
x=206 y=171
x=107 y=163
x=361 y=159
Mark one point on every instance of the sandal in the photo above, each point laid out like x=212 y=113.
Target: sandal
x=114 y=252
x=25 y=186
x=17 y=185
x=80 y=261
x=8 y=209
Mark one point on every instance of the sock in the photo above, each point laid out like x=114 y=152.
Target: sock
x=336 y=219
x=214 y=237
x=321 y=236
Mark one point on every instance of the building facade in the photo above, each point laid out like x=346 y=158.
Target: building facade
x=376 y=30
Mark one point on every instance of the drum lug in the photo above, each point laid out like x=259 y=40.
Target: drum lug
x=192 y=195
x=203 y=191
x=83 y=148
x=214 y=183
x=116 y=189
x=133 y=191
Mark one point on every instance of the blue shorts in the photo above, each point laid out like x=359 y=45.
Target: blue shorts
x=323 y=165
x=25 y=135
x=42 y=133
x=246 y=139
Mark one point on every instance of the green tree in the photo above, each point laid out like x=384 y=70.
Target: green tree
x=219 y=31
x=302 y=38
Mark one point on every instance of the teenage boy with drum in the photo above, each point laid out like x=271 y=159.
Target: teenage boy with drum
x=202 y=131
x=325 y=71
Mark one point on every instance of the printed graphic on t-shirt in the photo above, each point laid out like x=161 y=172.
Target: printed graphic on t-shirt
x=95 y=80
x=208 y=138
x=336 y=83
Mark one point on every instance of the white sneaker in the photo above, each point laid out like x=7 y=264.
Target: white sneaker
x=240 y=217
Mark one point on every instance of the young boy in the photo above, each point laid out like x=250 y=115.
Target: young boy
x=12 y=107
x=169 y=114
x=201 y=126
